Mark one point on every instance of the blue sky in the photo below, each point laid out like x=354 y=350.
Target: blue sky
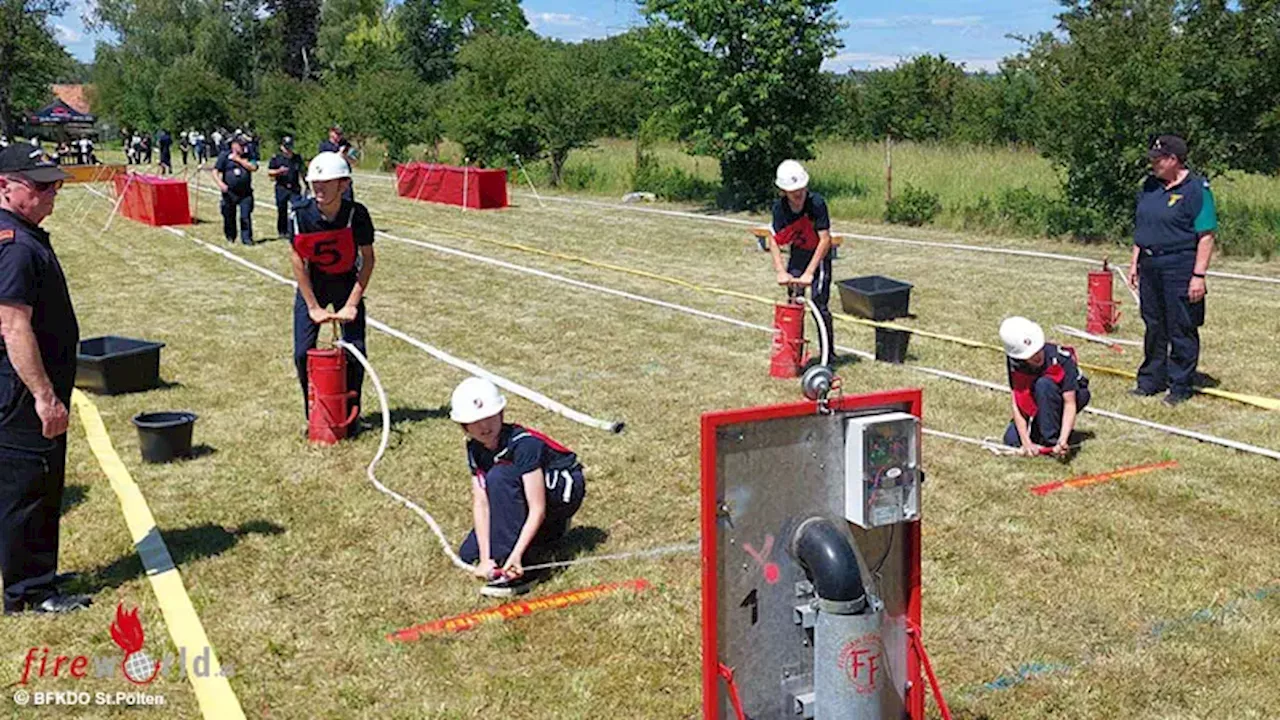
x=876 y=34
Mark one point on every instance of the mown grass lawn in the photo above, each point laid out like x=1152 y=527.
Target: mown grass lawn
x=1154 y=596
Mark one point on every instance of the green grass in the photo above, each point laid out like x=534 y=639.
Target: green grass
x=299 y=568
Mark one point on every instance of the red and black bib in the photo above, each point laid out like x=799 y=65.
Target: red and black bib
x=799 y=233
x=332 y=252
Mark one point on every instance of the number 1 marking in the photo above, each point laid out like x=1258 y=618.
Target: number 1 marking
x=752 y=600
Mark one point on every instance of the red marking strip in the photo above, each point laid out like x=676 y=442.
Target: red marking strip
x=1084 y=480
x=726 y=672
x=521 y=608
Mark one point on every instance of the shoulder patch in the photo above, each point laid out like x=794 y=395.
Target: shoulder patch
x=6 y=236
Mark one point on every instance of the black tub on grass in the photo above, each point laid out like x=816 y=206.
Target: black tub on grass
x=891 y=345
x=111 y=365
x=164 y=436
x=875 y=297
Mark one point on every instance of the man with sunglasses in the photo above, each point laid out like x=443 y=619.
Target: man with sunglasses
x=37 y=372
x=1049 y=390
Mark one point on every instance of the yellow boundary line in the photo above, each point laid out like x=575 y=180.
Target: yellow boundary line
x=214 y=693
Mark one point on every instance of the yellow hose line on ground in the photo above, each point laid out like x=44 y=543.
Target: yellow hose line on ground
x=1265 y=403
x=213 y=692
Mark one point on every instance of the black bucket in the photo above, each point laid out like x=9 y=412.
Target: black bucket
x=164 y=436
x=891 y=345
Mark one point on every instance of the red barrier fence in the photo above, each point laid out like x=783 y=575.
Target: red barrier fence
x=465 y=186
x=153 y=199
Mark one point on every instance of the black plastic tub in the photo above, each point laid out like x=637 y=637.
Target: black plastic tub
x=891 y=345
x=164 y=436
x=875 y=297
x=111 y=365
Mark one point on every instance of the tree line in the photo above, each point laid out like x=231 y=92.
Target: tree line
x=742 y=82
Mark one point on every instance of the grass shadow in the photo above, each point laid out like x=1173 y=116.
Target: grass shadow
x=405 y=415
x=579 y=541
x=73 y=495
x=184 y=544
x=1205 y=380
x=199 y=451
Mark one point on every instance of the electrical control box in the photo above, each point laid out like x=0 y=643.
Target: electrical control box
x=882 y=469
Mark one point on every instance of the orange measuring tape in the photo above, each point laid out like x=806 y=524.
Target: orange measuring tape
x=1084 y=480
x=507 y=611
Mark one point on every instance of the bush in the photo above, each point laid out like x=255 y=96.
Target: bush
x=1248 y=230
x=913 y=206
x=670 y=183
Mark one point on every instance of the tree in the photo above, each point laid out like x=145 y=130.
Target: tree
x=189 y=95
x=297 y=23
x=406 y=112
x=566 y=105
x=490 y=108
x=338 y=19
x=434 y=30
x=916 y=100
x=744 y=81
x=30 y=56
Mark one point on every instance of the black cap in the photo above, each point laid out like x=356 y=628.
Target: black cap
x=1168 y=145
x=287 y=141
x=26 y=160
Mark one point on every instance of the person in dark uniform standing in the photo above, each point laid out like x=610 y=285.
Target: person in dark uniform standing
x=1048 y=389
x=37 y=372
x=801 y=221
x=165 y=141
x=337 y=143
x=286 y=169
x=525 y=489
x=184 y=145
x=1172 y=244
x=234 y=174
x=333 y=261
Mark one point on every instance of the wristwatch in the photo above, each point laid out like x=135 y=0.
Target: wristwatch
x=1196 y=274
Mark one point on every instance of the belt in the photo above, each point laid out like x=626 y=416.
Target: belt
x=1158 y=251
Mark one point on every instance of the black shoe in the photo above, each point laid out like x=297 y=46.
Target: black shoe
x=246 y=242
x=1143 y=392
x=1174 y=398
x=67 y=578
x=505 y=588
x=54 y=605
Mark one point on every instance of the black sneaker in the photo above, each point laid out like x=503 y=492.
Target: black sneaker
x=1143 y=392
x=1174 y=398
x=54 y=605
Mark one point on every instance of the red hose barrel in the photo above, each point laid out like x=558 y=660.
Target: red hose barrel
x=787 y=354
x=327 y=396
x=1103 y=314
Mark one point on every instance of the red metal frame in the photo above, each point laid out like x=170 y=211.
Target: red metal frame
x=914 y=399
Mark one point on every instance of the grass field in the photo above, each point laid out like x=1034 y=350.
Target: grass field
x=1156 y=596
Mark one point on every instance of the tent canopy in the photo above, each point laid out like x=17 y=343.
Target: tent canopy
x=60 y=113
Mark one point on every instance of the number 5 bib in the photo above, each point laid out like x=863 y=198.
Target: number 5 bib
x=332 y=252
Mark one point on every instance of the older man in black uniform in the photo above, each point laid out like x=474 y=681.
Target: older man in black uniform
x=286 y=168
x=37 y=373
x=232 y=172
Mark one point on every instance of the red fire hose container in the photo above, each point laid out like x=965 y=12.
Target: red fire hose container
x=1103 y=313
x=787 y=356
x=327 y=396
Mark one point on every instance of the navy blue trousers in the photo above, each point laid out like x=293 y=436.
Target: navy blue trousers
x=1046 y=426
x=329 y=291
x=283 y=196
x=244 y=206
x=508 y=509
x=1172 y=340
x=819 y=292
x=31 y=484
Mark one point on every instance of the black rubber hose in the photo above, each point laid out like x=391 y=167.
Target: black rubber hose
x=828 y=560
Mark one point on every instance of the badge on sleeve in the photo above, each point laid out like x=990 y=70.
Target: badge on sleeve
x=6 y=236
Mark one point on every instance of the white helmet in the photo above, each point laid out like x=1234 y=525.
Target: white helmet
x=1021 y=337
x=327 y=166
x=475 y=399
x=791 y=176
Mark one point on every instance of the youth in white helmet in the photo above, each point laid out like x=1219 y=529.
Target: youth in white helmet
x=525 y=489
x=1048 y=390
x=802 y=223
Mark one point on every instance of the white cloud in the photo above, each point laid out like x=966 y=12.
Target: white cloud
x=899 y=21
x=541 y=19
x=66 y=35
x=860 y=61
x=979 y=64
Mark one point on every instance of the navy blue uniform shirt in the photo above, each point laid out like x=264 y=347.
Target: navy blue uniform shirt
x=291 y=179
x=31 y=275
x=800 y=230
x=327 y=146
x=1171 y=220
x=305 y=217
x=239 y=181
x=521 y=451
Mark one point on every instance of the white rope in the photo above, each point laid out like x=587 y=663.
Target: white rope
x=655 y=552
x=530 y=181
x=382 y=449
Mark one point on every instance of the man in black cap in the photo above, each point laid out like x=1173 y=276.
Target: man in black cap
x=234 y=174
x=286 y=168
x=1172 y=243
x=37 y=373
x=165 y=141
